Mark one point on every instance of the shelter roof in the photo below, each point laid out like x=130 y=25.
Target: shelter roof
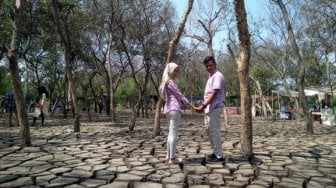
x=285 y=93
x=309 y=91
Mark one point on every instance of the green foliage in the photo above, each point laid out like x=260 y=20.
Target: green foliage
x=190 y=88
x=265 y=76
x=261 y=72
x=276 y=105
x=310 y=101
x=145 y=28
x=332 y=101
x=316 y=69
x=229 y=70
x=5 y=24
x=126 y=92
x=4 y=80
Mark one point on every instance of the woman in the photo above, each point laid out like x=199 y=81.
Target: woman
x=41 y=105
x=174 y=102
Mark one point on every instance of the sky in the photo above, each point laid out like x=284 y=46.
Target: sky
x=255 y=9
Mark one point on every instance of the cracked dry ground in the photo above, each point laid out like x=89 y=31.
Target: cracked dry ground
x=108 y=155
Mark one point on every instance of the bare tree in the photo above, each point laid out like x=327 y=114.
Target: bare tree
x=302 y=69
x=243 y=71
x=277 y=58
x=105 y=21
x=210 y=20
x=171 y=51
x=14 y=72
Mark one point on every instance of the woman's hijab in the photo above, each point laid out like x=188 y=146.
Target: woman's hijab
x=166 y=76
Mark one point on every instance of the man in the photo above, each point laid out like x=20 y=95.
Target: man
x=10 y=106
x=212 y=106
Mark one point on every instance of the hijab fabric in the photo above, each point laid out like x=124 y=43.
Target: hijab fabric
x=166 y=76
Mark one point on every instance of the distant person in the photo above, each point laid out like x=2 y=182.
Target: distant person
x=41 y=105
x=317 y=105
x=100 y=104
x=257 y=112
x=324 y=104
x=213 y=106
x=10 y=106
x=283 y=111
x=174 y=102
x=254 y=113
x=291 y=112
x=283 y=107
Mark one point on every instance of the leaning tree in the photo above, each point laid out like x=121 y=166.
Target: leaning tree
x=171 y=51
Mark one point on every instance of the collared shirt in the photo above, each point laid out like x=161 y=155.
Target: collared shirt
x=215 y=81
x=10 y=101
x=175 y=99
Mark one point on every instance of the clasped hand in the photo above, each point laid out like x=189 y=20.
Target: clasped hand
x=198 y=109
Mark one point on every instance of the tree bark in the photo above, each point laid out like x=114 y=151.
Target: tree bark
x=14 y=74
x=302 y=69
x=171 y=51
x=243 y=72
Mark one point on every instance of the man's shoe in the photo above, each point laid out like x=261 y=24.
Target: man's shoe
x=214 y=158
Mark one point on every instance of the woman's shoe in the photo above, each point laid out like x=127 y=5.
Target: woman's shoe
x=175 y=161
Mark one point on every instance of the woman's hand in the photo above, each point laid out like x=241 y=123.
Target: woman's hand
x=200 y=108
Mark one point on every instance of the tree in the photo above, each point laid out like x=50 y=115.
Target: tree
x=171 y=51
x=262 y=78
x=17 y=15
x=5 y=26
x=210 y=20
x=106 y=20
x=243 y=71
x=301 y=65
x=148 y=43
x=61 y=13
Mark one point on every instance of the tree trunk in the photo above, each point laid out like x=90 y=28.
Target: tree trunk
x=157 y=128
x=225 y=118
x=65 y=101
x=131 y=123
x=171 y=51
x=110 y=79
x=243 y=72
x=14 y=75
x=72 y=89
x=93 y=93
x=63 y=31
x=302 y=70
x=210 y=48
x=263 y=103
x=111 y=107
x=87 y=104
